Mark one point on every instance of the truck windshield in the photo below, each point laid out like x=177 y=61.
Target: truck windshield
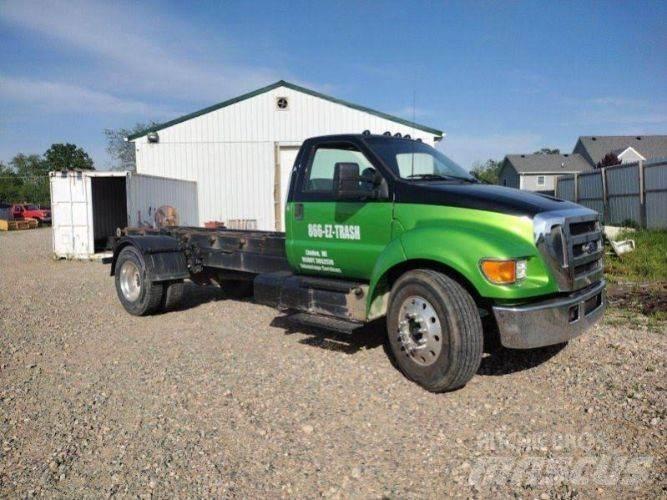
x=416 y=160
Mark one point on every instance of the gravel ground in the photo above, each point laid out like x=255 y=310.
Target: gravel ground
x=226 y=398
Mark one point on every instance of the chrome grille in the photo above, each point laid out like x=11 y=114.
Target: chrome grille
x=586 y=249
x=571 y=243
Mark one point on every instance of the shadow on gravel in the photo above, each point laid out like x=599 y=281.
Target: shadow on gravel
x=503 y=361
x=196 y=295
x=369 y=336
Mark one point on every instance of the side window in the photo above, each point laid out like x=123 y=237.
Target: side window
x=319 y=178
x=540 y=180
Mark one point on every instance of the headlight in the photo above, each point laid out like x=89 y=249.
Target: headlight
x=503 y=272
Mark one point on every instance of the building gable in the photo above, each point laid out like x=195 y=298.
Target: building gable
x=287 y=85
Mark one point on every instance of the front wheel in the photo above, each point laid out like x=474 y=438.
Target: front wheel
x=138 y=295
x=434 y=330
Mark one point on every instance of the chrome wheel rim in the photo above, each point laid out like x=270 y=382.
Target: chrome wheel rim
x=130 y=281
x=419 y=331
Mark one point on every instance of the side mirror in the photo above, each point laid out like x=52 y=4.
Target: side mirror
x=346 y=181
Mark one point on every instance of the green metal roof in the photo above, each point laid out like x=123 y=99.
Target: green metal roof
x=276 y=85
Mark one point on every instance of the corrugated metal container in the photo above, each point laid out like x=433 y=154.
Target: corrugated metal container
x=88 y=207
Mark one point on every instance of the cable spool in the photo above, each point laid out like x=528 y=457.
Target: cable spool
x=166 y=216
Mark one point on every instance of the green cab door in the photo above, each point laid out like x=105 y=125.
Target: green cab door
x=331 y=237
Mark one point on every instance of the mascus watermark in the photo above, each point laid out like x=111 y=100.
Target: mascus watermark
x=551 y=459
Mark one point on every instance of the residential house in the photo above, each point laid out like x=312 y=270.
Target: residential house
x=627 y=148
x=538 y=172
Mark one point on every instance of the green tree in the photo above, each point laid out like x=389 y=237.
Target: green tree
x=10 y=185
x=487 y=172
x=547 y=151
x=609 y=160
x=33 y=173
x=122 y=151
x=68 y=157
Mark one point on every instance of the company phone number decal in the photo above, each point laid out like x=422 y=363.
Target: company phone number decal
x=334 y=231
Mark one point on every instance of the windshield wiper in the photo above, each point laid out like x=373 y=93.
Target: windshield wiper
x=442 y=177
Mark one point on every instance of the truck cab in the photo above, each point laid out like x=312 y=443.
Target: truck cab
x=379 y=226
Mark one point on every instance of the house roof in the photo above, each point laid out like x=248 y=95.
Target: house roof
x=594 y=148
x=547 y=163
x=288 y=85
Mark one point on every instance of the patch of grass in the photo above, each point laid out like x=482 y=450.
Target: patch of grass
x=648 y=263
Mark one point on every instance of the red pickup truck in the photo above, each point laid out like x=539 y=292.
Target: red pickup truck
x=30 y=211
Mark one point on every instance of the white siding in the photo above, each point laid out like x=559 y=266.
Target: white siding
x=630 y=155
x=230 y=152
x=529 y=182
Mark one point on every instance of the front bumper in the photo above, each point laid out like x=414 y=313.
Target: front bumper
x=552 y=321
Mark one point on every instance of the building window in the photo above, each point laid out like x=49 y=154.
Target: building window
x=504 y=182
x=540 y=180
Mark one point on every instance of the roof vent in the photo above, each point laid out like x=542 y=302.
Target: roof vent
x=594 y=138
x=523 y=156
x=638 y=138
x=282 y=103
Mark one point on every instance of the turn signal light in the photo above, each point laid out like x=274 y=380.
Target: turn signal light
x=503 y=272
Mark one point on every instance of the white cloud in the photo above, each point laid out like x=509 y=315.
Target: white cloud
x=52 y=96
x=468 y=149
x=133 y=47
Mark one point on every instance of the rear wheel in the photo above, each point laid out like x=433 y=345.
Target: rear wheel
x=138 y=295
x=434 y=329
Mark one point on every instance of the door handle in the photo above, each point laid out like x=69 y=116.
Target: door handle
x=298 y=211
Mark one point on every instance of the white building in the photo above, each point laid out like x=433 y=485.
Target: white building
x=240 y=152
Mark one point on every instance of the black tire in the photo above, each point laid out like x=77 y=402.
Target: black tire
x=150 y=294
x=237 y=289
x=460 y=351
x=173 y=293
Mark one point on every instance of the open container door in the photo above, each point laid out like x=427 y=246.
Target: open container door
x=71 y=227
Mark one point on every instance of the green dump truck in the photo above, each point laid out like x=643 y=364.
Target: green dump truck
x=380 y=226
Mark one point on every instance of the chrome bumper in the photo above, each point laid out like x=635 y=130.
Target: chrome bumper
x=552 y=321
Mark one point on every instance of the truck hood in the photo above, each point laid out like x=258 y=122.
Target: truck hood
x=479 y=197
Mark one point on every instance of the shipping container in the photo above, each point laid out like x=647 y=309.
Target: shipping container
x=88 y=207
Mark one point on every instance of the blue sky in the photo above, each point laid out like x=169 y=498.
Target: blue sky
x=497 y=77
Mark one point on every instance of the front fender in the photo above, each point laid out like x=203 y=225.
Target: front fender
x=460 y=245
x=163 y=256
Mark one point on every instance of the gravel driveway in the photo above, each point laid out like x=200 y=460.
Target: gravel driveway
x=229 y=399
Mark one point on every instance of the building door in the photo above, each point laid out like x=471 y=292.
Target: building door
x=286 y=157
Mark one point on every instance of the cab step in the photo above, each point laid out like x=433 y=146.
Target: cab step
x=342 y=299
x=325 y=322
